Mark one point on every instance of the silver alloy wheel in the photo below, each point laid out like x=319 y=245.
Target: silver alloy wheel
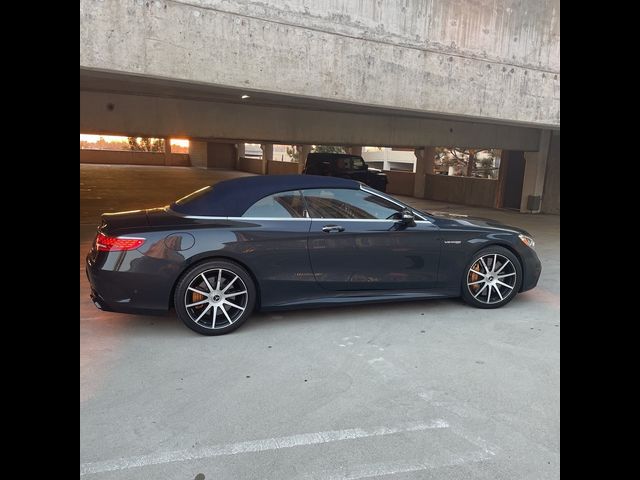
x=216 y=298
x=491 y=278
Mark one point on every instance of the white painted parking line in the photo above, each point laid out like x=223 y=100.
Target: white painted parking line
x=254 y=446
x=393 y=468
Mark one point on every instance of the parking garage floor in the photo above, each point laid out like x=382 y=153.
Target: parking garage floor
x=417 y=390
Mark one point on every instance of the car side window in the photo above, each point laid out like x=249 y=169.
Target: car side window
x=278 y=205
x=346 y=203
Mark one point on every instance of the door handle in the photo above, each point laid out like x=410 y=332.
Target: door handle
x=332 y=228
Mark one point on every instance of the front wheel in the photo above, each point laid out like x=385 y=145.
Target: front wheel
x=215 y=297
x=492 y=278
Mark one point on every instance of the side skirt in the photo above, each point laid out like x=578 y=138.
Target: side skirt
x=353 y=298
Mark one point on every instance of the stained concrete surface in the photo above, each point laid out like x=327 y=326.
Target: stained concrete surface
x=483 y=59
x=251 y=404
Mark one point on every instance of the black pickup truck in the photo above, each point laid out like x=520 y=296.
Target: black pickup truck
x=344 y=165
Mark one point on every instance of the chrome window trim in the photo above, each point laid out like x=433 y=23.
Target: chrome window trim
x=318 y=218
x=420 y=218
x=272 y=219
x=277 y=219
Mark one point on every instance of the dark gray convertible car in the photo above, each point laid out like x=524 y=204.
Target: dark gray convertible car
x=291 y=241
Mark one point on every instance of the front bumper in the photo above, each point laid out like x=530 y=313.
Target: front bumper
x=532 y=268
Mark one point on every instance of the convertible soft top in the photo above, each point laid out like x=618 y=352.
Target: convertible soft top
x=231 y=198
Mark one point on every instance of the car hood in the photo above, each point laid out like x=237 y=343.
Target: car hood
x=446 y=219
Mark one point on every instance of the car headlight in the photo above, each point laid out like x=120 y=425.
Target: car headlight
x=528 y=241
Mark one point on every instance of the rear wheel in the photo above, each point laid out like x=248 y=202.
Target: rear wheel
x=492 y=278
x=215 y=297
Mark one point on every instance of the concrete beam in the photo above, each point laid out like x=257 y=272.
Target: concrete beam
x=482 y=59
x=119 y=114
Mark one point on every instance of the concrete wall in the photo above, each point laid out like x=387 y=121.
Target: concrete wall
x=551 y=195
x=105 y=113
x=479 y=192
x=488 y=59
x=388 y=156
x=198 y=153
x=283 y=168
x=400 y=183
x=251 y=165
x=134 y=158
x=221 y=155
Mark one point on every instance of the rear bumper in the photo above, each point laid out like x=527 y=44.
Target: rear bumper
x=107 y=306
x=127 y=291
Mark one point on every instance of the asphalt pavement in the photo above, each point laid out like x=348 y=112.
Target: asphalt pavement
x=416 y=390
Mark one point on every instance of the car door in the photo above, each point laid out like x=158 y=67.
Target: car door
x=271 y=239
x=358 y=242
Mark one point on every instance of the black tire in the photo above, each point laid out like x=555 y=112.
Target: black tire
x=484 y=282
x=192 y=286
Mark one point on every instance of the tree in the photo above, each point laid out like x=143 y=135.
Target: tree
x=294 y=152
x=469 y=159
x=328 y=149
x=146 y=144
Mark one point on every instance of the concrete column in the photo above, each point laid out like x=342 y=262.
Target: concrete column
x=551 y=195
x=303 y=151
x=354 y=150
x=502 y=178
x=167 y=151
x=198 y=154
x=534 y=171
x=267 y=156
x=239 y=154
x=424 y=166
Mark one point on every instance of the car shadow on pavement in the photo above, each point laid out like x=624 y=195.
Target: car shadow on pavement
x=168 y=324
x=395 y=311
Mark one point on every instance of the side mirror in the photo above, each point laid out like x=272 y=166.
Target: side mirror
x=408 y=218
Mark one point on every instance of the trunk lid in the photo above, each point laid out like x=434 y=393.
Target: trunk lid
x=119 y=223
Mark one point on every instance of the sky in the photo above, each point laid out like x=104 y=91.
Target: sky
x=112 y=138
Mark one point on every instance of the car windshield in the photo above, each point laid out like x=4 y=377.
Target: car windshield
x=357 y=163
x=350 y=163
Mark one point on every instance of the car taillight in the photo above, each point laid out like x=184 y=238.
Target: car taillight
x=113 y=244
